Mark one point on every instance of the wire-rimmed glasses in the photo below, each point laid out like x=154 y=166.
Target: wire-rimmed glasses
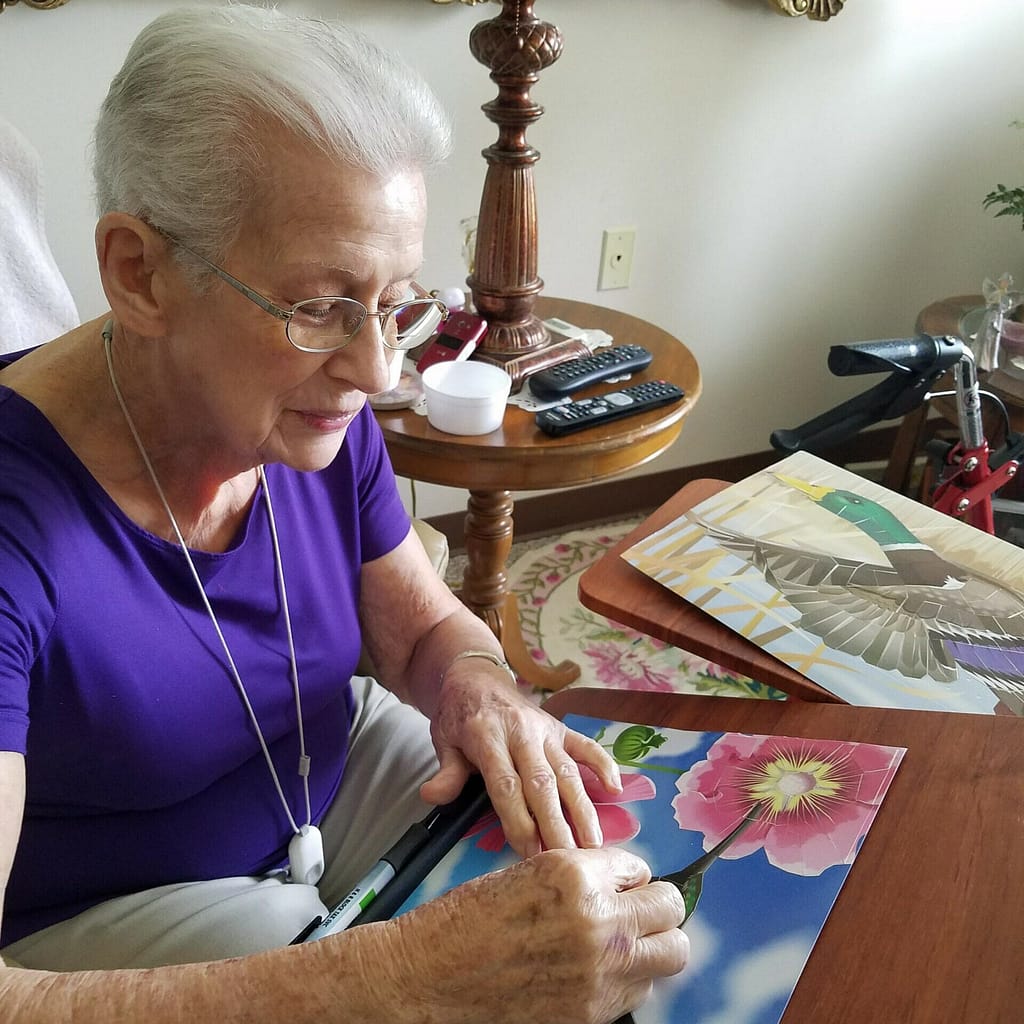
x=329 y=322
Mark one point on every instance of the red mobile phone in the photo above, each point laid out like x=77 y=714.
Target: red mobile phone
x=458 y=338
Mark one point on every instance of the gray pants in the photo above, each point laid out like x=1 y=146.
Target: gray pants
x=390 y=755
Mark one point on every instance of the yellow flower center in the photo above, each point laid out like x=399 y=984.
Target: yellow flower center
x=795 y=785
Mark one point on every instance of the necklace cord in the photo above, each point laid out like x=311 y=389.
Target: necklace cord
x=303 y=756
x=279 y=562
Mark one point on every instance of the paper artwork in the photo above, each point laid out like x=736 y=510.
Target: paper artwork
x=879 y=599
x=759 y=833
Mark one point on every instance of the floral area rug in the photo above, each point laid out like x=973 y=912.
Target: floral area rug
x=556 y=627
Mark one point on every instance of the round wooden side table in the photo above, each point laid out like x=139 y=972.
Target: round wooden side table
x=518 y=456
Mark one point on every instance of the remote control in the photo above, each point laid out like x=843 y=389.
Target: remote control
x=589 y=412
x=565 y=378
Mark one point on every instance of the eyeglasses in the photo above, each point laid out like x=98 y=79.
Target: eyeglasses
x=329 y=322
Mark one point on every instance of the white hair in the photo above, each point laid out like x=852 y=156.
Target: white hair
x=188 y=123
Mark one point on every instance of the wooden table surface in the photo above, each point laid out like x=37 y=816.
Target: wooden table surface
x=518 y=456
x=614 y=588
x=929 y=926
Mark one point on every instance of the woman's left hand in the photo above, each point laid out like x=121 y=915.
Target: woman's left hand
x=528 y=760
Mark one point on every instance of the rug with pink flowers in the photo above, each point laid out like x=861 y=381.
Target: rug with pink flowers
x=556 y=627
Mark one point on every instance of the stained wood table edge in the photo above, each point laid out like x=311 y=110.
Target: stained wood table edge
x=926 y=928
x=669 y=617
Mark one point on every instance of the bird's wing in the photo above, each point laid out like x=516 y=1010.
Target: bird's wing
x=868 y=625
x=981 y=610
x=832 y=596
x=782 y=564
x=872 y=612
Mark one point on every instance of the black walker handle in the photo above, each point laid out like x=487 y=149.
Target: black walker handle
x=914 y=364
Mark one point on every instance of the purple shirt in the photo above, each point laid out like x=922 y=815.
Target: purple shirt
x=142 y=765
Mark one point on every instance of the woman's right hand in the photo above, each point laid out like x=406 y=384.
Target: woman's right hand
x=567 y=936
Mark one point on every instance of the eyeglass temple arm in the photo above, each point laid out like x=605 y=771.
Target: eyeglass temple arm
x=272 y=308
x=250 y=293
x=286 y=314
x=260 y=300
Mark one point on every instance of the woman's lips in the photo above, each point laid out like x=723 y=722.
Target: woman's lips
x=327 y=422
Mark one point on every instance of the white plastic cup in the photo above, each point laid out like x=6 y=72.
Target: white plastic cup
x=466 y=397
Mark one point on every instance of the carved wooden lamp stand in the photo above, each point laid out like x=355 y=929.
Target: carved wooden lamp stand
x=516 y=46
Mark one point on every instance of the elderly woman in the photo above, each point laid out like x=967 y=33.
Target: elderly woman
x=199 y=528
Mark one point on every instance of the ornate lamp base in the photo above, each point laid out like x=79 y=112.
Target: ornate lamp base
x=516 y=46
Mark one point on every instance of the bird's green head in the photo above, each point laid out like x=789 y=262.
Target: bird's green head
x=875 y=520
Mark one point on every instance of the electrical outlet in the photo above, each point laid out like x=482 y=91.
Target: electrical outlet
x=616 y=258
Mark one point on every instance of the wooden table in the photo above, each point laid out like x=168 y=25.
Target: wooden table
x=929 y=926
x=518 y=456
x=614 y=588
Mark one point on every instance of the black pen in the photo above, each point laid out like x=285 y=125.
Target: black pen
x=404 y=866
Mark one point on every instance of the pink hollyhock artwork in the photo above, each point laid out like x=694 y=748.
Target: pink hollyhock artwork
x=618 y=823
x=818 y=798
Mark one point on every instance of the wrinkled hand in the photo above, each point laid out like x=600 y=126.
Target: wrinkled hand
x=568 y=936
x=528 y=760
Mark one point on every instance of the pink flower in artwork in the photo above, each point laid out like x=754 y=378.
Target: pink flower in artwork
x=618 y=823
x=818 y=797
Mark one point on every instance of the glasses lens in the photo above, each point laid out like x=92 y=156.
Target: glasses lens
x=411 y=323
x=325 y=323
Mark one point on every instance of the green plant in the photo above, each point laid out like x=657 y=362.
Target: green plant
x=1009 y=200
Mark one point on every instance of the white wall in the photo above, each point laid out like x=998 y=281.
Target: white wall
x=793 y=184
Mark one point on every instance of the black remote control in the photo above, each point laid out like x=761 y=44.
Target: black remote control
x=565 y=378
x=589 y=412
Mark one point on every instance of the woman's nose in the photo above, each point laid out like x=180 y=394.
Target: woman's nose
x=365 y=362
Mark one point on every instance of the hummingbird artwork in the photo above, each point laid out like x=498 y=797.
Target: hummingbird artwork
x=689 y=880
x=911 y=610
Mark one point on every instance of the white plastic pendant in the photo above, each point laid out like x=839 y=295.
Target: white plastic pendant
x=306 y=856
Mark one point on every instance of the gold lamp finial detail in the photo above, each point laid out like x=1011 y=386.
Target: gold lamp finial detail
x=816 y=10
x=39 y=5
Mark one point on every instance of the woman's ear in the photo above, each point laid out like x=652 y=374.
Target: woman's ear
x=134 y=262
